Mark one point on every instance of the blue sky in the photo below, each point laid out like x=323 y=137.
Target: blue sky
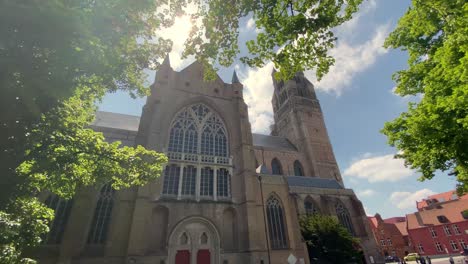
x=356 y=97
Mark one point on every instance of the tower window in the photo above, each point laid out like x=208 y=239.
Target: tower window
x=298 y=170
x=102 y=216
x=276 y=168
x=276 y=224
x=206 y=183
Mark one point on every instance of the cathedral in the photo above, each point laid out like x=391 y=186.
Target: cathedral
x=226 y=196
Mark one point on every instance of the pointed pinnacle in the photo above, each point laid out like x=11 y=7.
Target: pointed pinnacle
x=234 y=77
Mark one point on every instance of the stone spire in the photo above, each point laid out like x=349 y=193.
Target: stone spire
x=234 y=77
x=166 y=61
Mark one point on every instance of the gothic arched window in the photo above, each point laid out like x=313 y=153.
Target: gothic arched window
x=199 y=136
x=298 y=170
x=276 y=223
x=102 y=216
x=276 y=168
x=197 y=129
x=62 y=210
x=344 y=217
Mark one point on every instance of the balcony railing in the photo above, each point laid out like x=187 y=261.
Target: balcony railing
x=199 y=158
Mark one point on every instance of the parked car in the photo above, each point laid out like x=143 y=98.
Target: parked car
x=391 y=259
x=411 y=257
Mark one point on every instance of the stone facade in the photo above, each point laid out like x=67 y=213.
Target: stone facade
x=219 y=200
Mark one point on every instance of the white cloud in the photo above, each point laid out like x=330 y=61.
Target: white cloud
x=350 y=60
x=366 y=193
x=406 y=200
x=258 y=91
x=379 y=169
x=179 y=33
x=348 y=28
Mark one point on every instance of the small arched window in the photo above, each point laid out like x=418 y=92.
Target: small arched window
x=184 y=239
x=276 y=224
x=344 y=217
x=204 y=239
x=309 y=207
x=62 y=210
x=276 y=168
x=298 y=170
x=102 y=216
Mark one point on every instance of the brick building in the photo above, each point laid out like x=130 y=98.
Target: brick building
x=390 y=235
x=439 y=227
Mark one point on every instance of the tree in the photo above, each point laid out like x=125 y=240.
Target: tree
x=59 y=57
x=433 y=134
x=328 y=241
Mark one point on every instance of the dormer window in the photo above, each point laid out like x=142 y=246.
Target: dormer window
x=442 y=218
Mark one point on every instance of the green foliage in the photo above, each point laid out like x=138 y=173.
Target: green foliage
x=294 y=35
x=433 y=134
x=328 y=241
x=22 y=228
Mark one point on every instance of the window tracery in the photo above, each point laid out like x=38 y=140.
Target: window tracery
x=344 y=217
x=199 y=162
x=276 y=223
x=102 y=216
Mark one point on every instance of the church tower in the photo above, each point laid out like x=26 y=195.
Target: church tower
x=299 y=118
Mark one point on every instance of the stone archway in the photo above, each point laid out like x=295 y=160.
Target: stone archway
x=197 y=238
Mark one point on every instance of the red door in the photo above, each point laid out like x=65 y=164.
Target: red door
x=203 y=256
x=182 y=257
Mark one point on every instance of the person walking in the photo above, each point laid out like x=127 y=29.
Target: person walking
x=428 y=260
x=451 y=260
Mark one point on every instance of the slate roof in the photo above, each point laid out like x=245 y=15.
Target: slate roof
x=301 y=181
x=272 y=142
x=115 y=120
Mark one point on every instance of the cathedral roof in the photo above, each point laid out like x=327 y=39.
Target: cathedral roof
x=272 y=142
x=301 y=181
x=117 y=121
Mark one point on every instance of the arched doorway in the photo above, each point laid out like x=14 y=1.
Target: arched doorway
x=194 y=240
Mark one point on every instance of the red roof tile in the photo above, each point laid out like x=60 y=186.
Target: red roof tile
x=451 y=210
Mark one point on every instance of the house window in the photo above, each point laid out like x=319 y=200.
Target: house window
x=62 y=210
x=276 y=168
x=298 y=170
x=462 y=243
x=433 y=232
x=344 y=218
x=102 y=216
x=389 y=241
x=382 y=242
x=447 y=231
x=420 y=248
x=454 y=245
x=276 y=224
x=438 y=247
x=456 y=230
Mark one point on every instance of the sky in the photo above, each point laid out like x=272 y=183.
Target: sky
x=356 y=97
